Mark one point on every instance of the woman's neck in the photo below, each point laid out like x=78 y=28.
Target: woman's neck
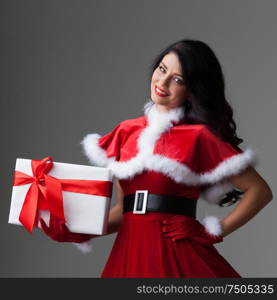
x=155 y=114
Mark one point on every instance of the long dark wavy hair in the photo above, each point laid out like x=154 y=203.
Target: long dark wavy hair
x=206 y=103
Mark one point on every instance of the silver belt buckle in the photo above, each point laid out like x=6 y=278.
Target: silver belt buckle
x=141 y=198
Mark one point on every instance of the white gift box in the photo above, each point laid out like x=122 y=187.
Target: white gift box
x=83 y=213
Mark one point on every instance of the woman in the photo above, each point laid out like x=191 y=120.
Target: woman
x=184 y=147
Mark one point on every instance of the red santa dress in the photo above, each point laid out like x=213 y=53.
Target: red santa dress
x=160 y=153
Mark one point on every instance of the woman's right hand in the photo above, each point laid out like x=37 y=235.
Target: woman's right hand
x=59 y=232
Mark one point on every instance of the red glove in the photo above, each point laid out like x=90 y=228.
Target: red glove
x=185 y=227
x=59 y=232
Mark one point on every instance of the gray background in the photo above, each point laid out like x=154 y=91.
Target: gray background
x=73 y=67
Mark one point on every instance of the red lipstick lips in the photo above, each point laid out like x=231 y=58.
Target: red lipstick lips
x=164 y=94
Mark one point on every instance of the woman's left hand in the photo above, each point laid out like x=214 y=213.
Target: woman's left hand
x=185 y=227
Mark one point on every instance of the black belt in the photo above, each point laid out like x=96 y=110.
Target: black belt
x=142 y=202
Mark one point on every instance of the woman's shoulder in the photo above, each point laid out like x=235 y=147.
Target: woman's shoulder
x=196 y=127
x=193 y=130
x=199 y=130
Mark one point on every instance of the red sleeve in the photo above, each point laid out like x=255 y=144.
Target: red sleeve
x=102 y=150
x=215 y=160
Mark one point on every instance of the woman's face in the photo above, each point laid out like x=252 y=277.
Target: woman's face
x=168 y=89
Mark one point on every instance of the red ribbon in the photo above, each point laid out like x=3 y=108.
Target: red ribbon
x=45 y=191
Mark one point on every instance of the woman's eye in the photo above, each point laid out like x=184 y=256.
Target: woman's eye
x=161 y=68
x=179 y=81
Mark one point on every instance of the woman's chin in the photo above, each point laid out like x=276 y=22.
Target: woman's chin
x=160 y=100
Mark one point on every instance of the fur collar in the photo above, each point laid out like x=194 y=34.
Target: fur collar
x=160 y=119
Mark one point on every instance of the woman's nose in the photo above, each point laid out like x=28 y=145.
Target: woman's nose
x=164 y=82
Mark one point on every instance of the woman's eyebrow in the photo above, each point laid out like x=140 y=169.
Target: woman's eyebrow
x=166 y=69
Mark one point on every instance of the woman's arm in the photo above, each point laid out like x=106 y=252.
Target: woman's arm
x=116 y=212
x=257 y=194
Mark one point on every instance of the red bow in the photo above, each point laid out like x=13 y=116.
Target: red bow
x=45 y=191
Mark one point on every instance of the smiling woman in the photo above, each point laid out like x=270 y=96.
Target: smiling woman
x=167 y=85
x=184 y=147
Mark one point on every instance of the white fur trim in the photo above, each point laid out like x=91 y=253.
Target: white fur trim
x=96 y=155
x=85 y=247
x=158 y=123
x=230 y=166
x=177 y=171
x=213 y=225
x=216 y=192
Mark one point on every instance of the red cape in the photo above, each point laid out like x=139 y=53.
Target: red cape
x=158 y=142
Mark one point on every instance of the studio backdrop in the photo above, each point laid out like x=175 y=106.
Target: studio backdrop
x=69 y=68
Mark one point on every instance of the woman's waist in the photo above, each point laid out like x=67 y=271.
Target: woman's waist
x=143 y=202
x=149 y=216
x=159 y=184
